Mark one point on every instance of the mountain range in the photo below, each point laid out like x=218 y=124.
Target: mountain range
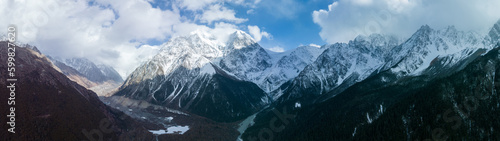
x=230 y=81
x=437 y=84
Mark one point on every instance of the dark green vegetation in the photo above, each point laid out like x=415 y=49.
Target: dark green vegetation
x=218 y=97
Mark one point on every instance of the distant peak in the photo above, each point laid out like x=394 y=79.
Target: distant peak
x=424 y=31
x=495 y=32
x=376 y=38
x=360 y=38
x=238 y=34
x=201 y=34
x=240 y=39
x=425 y=28
x=368 y=38
x=451 y=27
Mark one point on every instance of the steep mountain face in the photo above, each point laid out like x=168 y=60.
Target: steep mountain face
x=460 y=106
x=184 y=76
x=74 y=75
x=101 y=79
x=494 y=34
x=245 y=58
x=413 y=70
x=428 y=44
x=87 y=68
x=49 y=106
x=463 y=104
x=288 y=65
x=93 y=72
x=110 y=73
x=197 y=72
x=340 y=64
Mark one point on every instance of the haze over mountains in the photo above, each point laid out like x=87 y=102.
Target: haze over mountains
x=101 y=79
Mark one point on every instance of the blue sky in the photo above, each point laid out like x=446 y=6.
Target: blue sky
x=288 y=31
x=289 y=28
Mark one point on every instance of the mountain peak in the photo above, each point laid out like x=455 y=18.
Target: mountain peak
x=201 y=35
x=494 y=33
x=240 y=39
x=451 y=28
x=424 y=29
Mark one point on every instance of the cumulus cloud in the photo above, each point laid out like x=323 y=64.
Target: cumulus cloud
x=219 y=13
x=257 y=33
x=110 y=32
x=345 y=19
x=196 y=4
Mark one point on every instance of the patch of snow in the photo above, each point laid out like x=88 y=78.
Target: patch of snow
x=354 y=133
x=158 y=132
x=381 y=110
x=171 y=130
x=368 y=119
x=384 y=79
x=169 y=119
x=297 y=105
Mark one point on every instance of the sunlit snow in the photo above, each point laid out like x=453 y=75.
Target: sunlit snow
x=171 y=130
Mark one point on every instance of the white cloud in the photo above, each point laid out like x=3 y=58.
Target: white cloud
x=257 y=33
x=362 y=2
x=196 y=4
x=256 y=1
x=315 y=45
x=345 y=19
x=219 y=13
x=251 y=11
x=276 y=49
x=107 y=31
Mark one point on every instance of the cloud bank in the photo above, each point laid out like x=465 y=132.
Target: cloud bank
x=115 y=33
x=257 y=33
x=345 y=19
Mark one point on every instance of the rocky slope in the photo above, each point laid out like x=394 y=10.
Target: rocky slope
x=49 y=106
x=185 y=75
x=404 y=94
x=101 y=79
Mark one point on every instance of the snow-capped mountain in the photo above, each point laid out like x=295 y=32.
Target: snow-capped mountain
x=340 y=63
x=101 y=79
x=185 y=75
x=189 y=68
x=92 y=71
x=494 y=34
x=244 y=58
x=428 y=44
x=406 y=86
x=288 y=65
x=110 y=73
